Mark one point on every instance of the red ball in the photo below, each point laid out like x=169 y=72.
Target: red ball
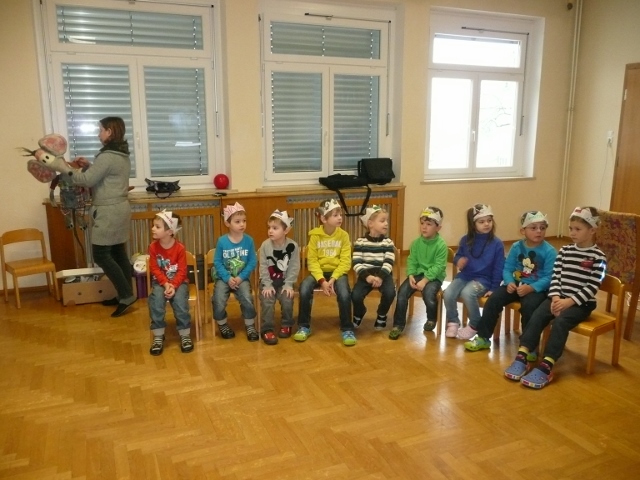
x=221 y=181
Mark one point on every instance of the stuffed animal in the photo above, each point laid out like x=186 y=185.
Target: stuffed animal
x=139 y=263
x=48 y=160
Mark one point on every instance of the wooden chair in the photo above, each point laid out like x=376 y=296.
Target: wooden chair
x=209 y=287
x=454 y=272
x=26 y=266
x=600 y=322
x=619 y=238
x=194 y=292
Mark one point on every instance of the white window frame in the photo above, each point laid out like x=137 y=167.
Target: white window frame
x=53 y=54
x=529 y=30
x=340 y=16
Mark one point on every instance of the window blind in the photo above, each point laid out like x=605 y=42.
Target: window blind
x=95 y=26
x=323 y=41
x=296 y=119
x=92 y=92
x=355 y=119
x=176 y=121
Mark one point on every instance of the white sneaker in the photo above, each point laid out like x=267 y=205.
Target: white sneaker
x=452 y=330
x=467 y=333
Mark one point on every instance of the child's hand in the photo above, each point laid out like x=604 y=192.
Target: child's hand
x=234 y=282
x=559 y=305
x=462 y=262
x=288 y=292
x=374 y=281
x=327 y=287
x=524 y=289
x=268 y=292
x=421 y=284
x=412 y=282
x=488 y=293
x=169 y=290
x=512 y=287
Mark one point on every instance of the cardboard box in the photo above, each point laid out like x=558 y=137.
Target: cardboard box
x=88 y=292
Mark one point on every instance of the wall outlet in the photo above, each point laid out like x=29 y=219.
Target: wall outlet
x=609 y=137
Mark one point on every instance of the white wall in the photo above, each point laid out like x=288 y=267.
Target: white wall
x=609 y=39
x=607 y=27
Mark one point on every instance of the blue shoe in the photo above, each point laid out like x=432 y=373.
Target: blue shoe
x=348 y=338
x=516 y=370
x=537 y=379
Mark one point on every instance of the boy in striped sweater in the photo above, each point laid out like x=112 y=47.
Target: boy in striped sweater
x=577 y=274
x=373 y=259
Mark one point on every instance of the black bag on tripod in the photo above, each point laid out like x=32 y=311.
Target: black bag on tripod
x=376 y=170
x=339 y=181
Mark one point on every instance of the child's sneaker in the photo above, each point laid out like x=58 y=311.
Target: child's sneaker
x=269 y=337
x=302 y=334
x=252 y=333
x=157 y=346
x=430 y=325
x=467 y=333
x=452 y=330
x=381 y=322
x=348 y=338
x=537 y=378
x=395 y=333
x=285 y=332
x=186 y=345
x=516 y=370
x=357 y=321
x=477 y=343
x=225 y=331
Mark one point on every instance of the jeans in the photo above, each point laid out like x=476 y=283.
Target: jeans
x=114 y=261
x=429 y=296
x=343 y=295
x=180 y=304
x=562 y=324
x=267 y=305
x=243 y=295
x=501 y=298
x=361 y=289
x=469 y=292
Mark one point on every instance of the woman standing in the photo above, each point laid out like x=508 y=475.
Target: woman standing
x=108 y=178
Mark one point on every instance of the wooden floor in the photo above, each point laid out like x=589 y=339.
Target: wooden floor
x=80 y=397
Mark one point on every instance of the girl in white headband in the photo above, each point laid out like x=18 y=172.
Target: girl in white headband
x=479 y=259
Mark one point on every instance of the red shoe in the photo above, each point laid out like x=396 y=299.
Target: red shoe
x=269 y=337
x=285 y=332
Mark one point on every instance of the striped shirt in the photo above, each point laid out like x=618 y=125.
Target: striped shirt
x=373 y=256
x=578 y=273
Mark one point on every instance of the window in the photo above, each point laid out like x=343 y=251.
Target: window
x=483 y=82
x=150 y=64
x=324 y=90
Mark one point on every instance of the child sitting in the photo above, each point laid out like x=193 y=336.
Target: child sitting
x=577 y=274
x=234 y=260
x=525 y=279
x=373 y=259
x=169 y=281
x=279 y=268
x=479 y=259
x=426 y=269
x=328 y=261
